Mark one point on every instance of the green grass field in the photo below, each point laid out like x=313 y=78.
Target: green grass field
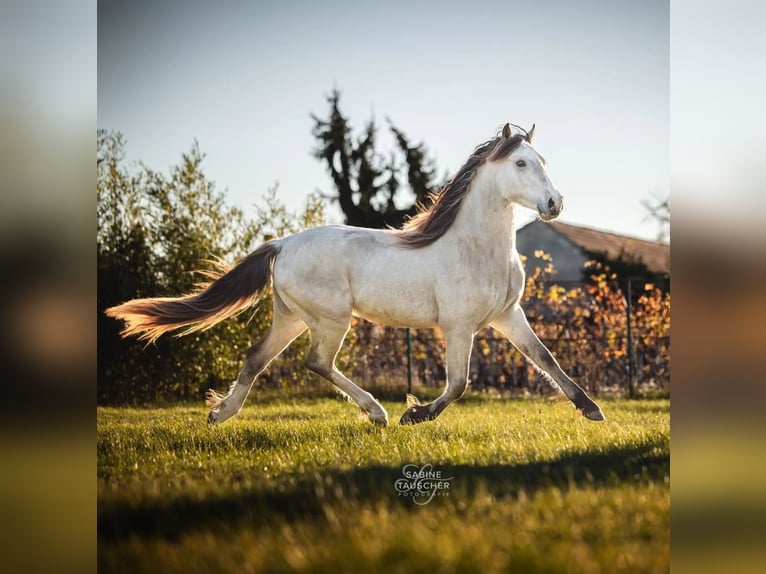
x=306 y=485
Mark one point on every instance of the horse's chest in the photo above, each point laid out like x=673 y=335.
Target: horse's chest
x=502 y=289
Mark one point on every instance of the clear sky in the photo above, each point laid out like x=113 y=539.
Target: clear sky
x=243 y=77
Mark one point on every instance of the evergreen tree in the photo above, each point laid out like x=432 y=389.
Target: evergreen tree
x=368 y=185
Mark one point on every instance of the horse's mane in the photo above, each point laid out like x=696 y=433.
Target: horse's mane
x=432 y=222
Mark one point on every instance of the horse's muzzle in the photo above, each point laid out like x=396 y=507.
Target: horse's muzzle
x=551 y=210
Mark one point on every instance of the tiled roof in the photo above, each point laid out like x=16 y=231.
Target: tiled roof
x=655 y=255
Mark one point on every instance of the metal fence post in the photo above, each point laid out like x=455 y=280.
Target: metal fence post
x=409 y=361
x=491 y=340
x=631 y=389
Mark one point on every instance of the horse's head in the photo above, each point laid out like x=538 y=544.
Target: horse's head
x=520 y=176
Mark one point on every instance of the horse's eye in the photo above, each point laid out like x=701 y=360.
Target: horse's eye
x=521 y=163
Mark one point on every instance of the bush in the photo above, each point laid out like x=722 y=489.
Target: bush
x=153 y=230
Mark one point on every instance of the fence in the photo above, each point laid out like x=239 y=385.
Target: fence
x=380 y=357
x=606 y=341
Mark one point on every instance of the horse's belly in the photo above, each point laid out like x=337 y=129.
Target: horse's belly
x=397 y=314
x=391 y=320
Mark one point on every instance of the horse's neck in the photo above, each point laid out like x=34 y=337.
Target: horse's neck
x=485 y=222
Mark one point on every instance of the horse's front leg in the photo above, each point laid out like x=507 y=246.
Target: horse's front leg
x=513 y=324
x=459 y=343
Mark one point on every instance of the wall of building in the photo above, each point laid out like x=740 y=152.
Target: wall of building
x=568 y=259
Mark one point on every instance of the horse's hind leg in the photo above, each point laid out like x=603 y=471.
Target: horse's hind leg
x=285 y=328
x=326 y=339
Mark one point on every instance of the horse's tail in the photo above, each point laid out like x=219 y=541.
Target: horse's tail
x=227 y=294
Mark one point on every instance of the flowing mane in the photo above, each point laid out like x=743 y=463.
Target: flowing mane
x=434 y=221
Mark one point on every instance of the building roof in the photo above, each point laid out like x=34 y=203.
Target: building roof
x=653 y=254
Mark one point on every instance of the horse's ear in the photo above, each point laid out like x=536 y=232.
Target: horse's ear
x=531 y=133
x=506 y=131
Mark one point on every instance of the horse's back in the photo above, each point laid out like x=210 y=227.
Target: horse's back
x=340 y=270
x=331 y=249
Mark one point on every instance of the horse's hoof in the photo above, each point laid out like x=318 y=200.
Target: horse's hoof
x=379 y=418
x=593 y=414
x=416 y=414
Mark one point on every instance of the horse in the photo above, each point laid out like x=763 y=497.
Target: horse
x=453 y=266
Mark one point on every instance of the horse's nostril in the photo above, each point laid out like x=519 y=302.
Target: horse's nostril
x=551 y=203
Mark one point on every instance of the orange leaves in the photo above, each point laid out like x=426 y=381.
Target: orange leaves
x=586 y=325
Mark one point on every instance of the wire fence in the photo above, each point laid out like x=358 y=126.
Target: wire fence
x=599 y=364
x=607 y=340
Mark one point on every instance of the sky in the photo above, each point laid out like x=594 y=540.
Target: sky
x=243 y=78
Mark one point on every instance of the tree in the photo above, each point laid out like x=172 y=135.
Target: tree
x=368 y=186
x=658 y=210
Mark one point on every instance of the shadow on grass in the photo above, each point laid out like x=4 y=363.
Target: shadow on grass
x=303 y=498
x=286 y=416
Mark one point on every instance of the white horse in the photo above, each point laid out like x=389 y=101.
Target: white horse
x=454 y=266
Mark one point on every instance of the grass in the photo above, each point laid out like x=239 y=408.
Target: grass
x=306 y=485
